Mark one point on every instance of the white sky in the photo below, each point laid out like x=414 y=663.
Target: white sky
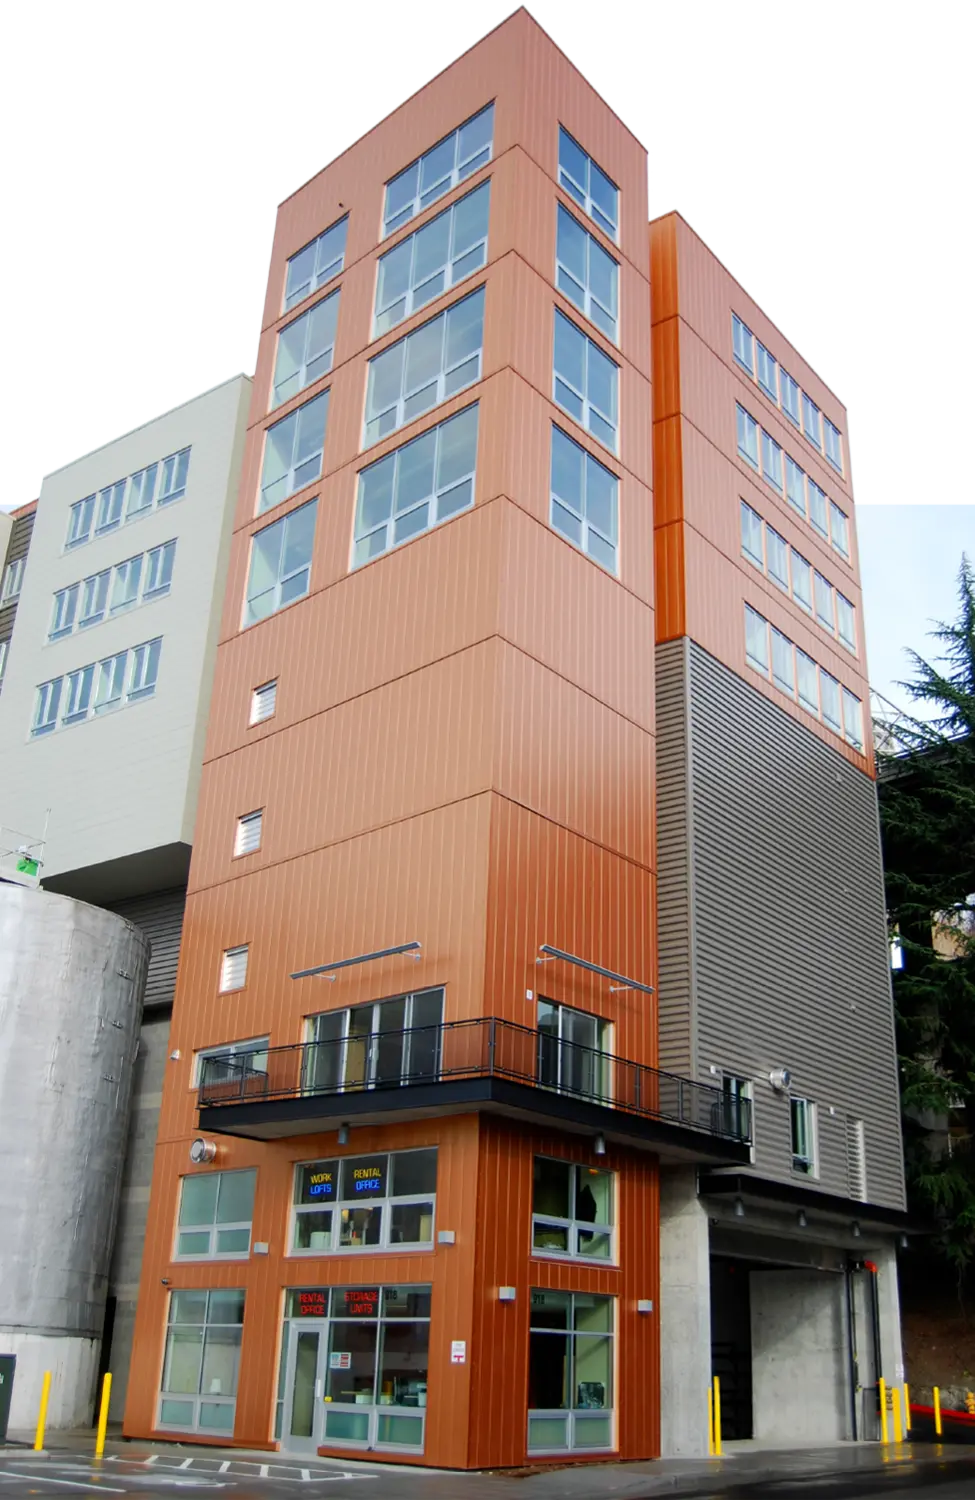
x=822 y=151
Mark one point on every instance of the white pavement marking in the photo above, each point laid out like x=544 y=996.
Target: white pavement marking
x=74 y=1484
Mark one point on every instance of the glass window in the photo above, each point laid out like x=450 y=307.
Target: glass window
x=159 y=570
x=416 y=487
x=756 y=640
x=434 y=362
x=457 y=156
x=126 y=577
x=771 y=461
x=315 y=264
x=803 y=1136
x=172 y=484
x=280 y=569
x=817 y=508
x=78 y=687
x=572 y=1051
x=783 y=663
x=585 y=381
x=233 y=969
x=110 y=682
x=109 y=513
x=810 y=421
x=737 y=1105
x=378 y=1202
x=846 y=622
x=306 y=349
x=13 y=579
x=585 y=500
x=377 y=1362
x=594 y=192
x=235 y=1064
x=65 y=611
x=852 y=719
x=249 y=830
x=823 y=593
x=94 y=598
x=768 y=373
x=435 y=258
x=570 y=1371
x=145 y=669
x=293 y=452
x=747 y=437
x=393 y=1041
x=790 y=396
x=46 y=707
x=742 y=342
x=586 y=274
x=215 y=1213
x=264 y=701
x=572 y=1210
x=829 y=698
x=141 y=492
x=801 y=581
x=807 y=679
x=4 y=649
x=834 y=445
x=80 y=520
x=839 y=530
x=795 y=486
x=778 y=558
x=751 y=536
x=202 y=1361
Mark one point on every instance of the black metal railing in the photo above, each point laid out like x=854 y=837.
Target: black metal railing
x=487 y=1047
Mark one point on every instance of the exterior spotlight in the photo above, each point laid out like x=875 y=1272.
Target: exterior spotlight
x=801 y=1218
x=600 y=1145
x=343 y=1135
x=739 y=1209
x=902 y=1242
x=855 y=1230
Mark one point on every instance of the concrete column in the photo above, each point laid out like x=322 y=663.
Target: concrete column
x=685 y=1317
x=888 y=1300
x=800 y=1379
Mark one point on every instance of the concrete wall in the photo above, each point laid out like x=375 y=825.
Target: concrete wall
x=685 y=1317
x=138 y=765
x=800 y=1380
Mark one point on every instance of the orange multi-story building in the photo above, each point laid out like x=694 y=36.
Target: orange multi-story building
x=407 y=1186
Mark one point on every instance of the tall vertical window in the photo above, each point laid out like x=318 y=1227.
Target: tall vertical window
x=810 y=422
x=823 y=594
x=783 y=663
x=435 y=258
x=834 y=445
x=846 y=621
x=572 y=1047
x=280 y=569
x=172 y=480
x=249 y=830
x=159 y=570
x=457 y=156
x=293 y=452
x=789 y=396
x=817 y=508
x=768 y=373
x=80 y=519
x=588 y=184
x=126 y=577
x=795 y=486
x=801 y=581
x=771 y=461
x=756 y=640
x=202 y=1361
x=215 y=1213
x=306 y=349
x=13 y=579
x=747 y=436
x=432 y=363
x=777 y=554
x=839 y=531
x=110 y=507
x=807 y=681
x=572 y=1210
x=743 y=344
x=751 y=536
x=78 y=687
x=141 y=491
x=852 y=719
x=65 y=612
x=803 y=1118
x=829 y=698
x=233 y=968
x=144 y=669
x=570 y=1372
x=315 y=264
x=585 y=381
x=416 y=487
x=46 y=707
x=94 y=598
x=585 y=500
x=586 y=274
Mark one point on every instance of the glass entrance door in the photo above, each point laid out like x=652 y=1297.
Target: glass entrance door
x=304 y=1385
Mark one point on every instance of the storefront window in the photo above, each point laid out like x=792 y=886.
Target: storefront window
x=570 y=1372
x=383 y=1202
x=202 y=1361
x=572 y=1210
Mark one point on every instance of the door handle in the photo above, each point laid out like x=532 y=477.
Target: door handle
x=318 y=1390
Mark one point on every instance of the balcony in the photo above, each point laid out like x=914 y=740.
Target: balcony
x=485 y=1065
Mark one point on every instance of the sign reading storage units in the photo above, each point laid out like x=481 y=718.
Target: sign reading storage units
x=362 y=1302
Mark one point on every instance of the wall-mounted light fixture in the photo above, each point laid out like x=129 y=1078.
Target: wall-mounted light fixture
x=801 y=1218
x=343 y=1135
x=446 y=1236
x=644 y=1305
x=739 y=1209
x=506 y=1294
x=855 y=1230
x=599 y=1144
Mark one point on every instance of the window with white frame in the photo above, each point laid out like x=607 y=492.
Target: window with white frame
x=752 y=530
x=783 y=663
x=795 y=486
x=743 y=344
x=817 y=507
x=4 y=650
x=573 y=1047
x=80 y=519
x=315 y=263
x=801 y=581
x=202 y=1361
x=172 y=478
x=839 y=531
x=846 y=622
x=810 y=422
x=233 y=968
x=158 y=577
x=823 y=595
x=756 y=640
x=416 y=487
x=94 y=598
x=230 y=1063
x=771 y=461
x=777 y=554
x=306 y=348
x=747 y=436
x=432 y=363
x=438 y=256
x=737 y=1106
x=572 y=1210
x=280 y=568
x=807 y=682
x=264 y=701
x=141 y=491
x=110 y=502
x=449 y=162
x=585 y=381
x=13 y=579
x=126 y=577
x=125 y=500
x=215 y=1213
x=144 y=669
x=97 y=688
x=46 y=707
x=368 y=1046
x=803 y=1118
x=76 y=703
x=768 y=373
x=587 y=274
x=834 y=445
x=373 y=1203
x=293 y=451
x=585 y=501
x=137 y=580
x=249 y=829
x=852 y=719
x=829 y=698
x=596 y=194
x=110 y=682
x=789 y=396
x=570 y=1371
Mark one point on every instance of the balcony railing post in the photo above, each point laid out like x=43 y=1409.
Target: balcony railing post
x=492 y=1040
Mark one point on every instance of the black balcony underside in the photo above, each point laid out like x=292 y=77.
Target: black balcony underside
x=310 y=1114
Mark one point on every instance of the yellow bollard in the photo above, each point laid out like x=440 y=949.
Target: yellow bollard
x=42 y=1414
x=717 y=1417
x=710 y=1422
x=898 y=1433
x=907 y=1409
x=937 y=1411
x=884 y=1430
x=103 y=1416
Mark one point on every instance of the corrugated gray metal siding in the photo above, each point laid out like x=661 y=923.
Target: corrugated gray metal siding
x=19 y=546
x=161 y=918
x=673 y=861
x=789 y=962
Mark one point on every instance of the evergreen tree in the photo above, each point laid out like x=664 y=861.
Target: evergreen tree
x=927 y=810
